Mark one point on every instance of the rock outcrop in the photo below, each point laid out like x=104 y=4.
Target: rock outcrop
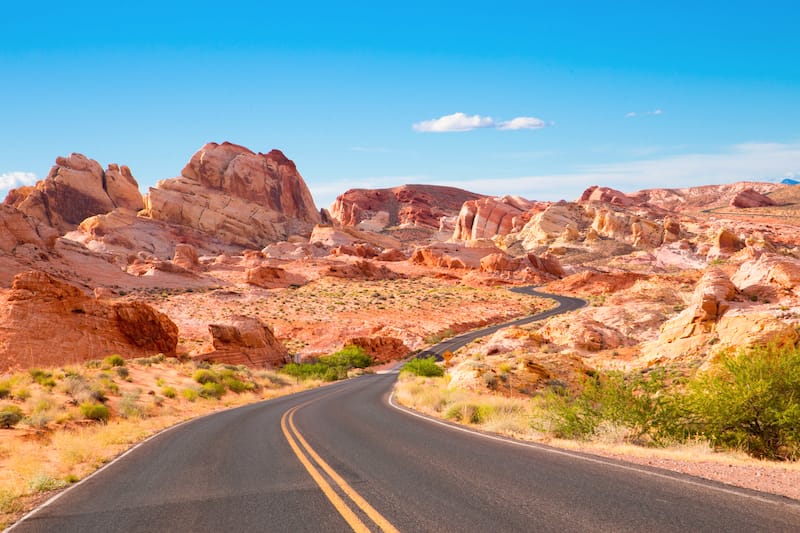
x=489 y=217
x=768 y=277
x=382 y=349
x=751 y=198
x=271 y=277
x=605 y=195
x=17 y=228
x=45 y=322
x=238 y=196
x=245 y=341
x=409 y=205
x=75 y=189
x=362 y=270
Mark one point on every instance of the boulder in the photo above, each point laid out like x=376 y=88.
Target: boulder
x=605 y=195
x=75 y=189
x=270 y=277
x=361 y=270
x=236 y=195
x=88 y=327
x=247 y=341
x=768 y=276
x=17 y=228
x=186 y=257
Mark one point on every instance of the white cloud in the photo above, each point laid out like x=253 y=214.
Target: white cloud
x=454 y=122
x=632 y=114
x=464 y=122
x=522 y=123
x=9 y=180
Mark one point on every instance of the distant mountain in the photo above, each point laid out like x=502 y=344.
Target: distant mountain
x=789 y=181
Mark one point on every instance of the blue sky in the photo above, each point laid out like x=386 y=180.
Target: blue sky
x=624 y=94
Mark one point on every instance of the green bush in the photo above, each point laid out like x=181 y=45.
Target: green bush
x=204 y=376
x=330 y=367
x=350 y=356
x=42 y=377
x=123 y=372
x=212 y=390
x=639 y=403
x=426 y=367
x=44 y=483
x=189 y=394
x=169 y=392
x=95 y=411
x=114 y=360
x=5 y=389
x=750 y=401
x=10 y=416
x=236 y=385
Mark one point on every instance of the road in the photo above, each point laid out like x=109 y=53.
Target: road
x=342 y=458
x=565 y=304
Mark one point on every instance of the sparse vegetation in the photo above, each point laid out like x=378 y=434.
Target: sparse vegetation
x=425 y=367
x=95 y=411
x=10 y=416
x=331 y=367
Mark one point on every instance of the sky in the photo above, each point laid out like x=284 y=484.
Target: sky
x=536 y=99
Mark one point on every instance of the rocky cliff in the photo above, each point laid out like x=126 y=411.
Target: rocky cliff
x=238 y=196
x=76 y=188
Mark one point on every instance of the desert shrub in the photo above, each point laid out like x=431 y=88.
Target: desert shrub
x=123 y=372
x=639 y=403
x=189 y=394
x=236 y=385
x=10 y=416
x=75 y=385
x=426 y=367
x=45 y=482
x=42 y=377
x=95 y=411
x=750 y=401
x=439 y=336
x=169 y=392
x=212 y=390
x=5 y=389
x=205 y=375
x=129 y=406
x=350 y=356
x=21 y=394
x=114 y=360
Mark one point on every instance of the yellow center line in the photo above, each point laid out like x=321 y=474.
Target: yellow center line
x=370 y=511
x=334 y=498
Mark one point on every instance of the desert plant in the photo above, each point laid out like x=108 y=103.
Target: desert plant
x=10 y=416
x=169 y=392
x=45 y=482
x=114 y=360
x=350 y=356
x=42 y=377
x=425 y=367
x=189 y=394
x=751 y=400
x=95 y=411
x=129 y=406
x=123 y=372
x=5 y=389
x=205 y=375
x=212 y=390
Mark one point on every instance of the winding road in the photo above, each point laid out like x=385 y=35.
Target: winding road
x=343 y=457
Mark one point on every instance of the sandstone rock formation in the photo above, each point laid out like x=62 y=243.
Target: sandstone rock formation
x=47 y=322
x=751 y=198
x=454 y=255
x=362 y=270
x=271 y=277
x=382 y=349
x=236 y=195
x=605 y=195
x=413 y=205
x=17 y=228
x=582 y=332
x=768 y=277
x=245 y=341
x=331 y=237
x=186 y=257
x=488 y=217
x=75 y=189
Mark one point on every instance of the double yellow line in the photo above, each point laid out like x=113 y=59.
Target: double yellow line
x=305 y=453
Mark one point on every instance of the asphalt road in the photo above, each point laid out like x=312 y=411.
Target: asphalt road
x=565 y=304
x=264 y=467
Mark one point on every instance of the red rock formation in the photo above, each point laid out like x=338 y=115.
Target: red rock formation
x=270 y=277
x=751 y=198
x=75 y=189
x=605 y=195
x=186 y=257
x=416 y=205
x=363 y=270
x=454 y=255
x=17 y=228
x=500 y=262
x=382 y=349
x=363 y=250
x=487 y=217
x=236 y=195
x=47 y=322
x=245 y=341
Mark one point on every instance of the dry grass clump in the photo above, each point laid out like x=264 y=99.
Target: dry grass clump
x=75 y=419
